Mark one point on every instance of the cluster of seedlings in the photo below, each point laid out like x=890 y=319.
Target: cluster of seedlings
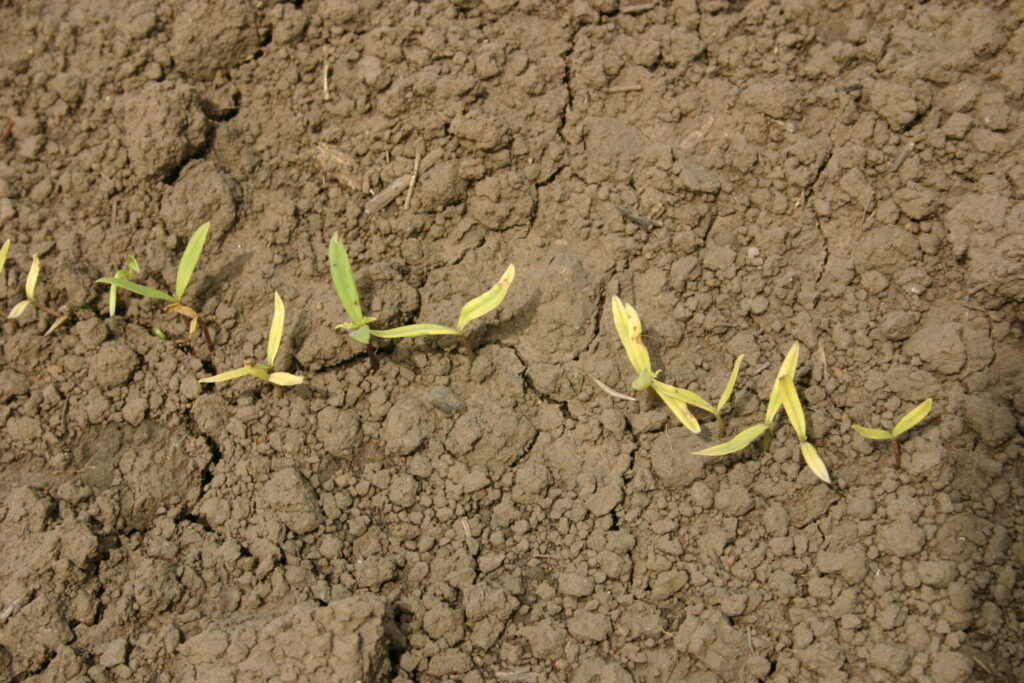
x=783 y=395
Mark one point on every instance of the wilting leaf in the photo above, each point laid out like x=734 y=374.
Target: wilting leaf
x=730 y=385
x=486 y=302
x=736 y=443
x=677 y=406
x=627 y=324
x=285 y=379
x=417 y=330
x=869 y=433
x=244 y=371
x=913 y=417
x=685 y=395
x=276 y=330
x=788 y=367
x=814 y=461
x=33 y=277
x=791 y=402
x=608 y=390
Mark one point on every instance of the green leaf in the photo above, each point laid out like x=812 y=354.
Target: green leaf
x=909 y=420
x=684 y=395
x=814 y=461
x=791 y=402
x=189 y=259
x=486 y=302
x=361 y=334
x=677 y=406
x=727 y=392
x=788 y=367
x=133 y=265
x=276 y=330
x=345 y=281
x=3 y=254
x=244 y=371
x=33 y=277
x=285 y=379
x=418 y=330
x=869 y=433
x=736 y=443
x=136 y=288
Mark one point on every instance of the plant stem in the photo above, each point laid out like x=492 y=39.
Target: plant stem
x=721 y=426
x=895 y=447
x=371 y=352
x=206 y=334
x=467 y=347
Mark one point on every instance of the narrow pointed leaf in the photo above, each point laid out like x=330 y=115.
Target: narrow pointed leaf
x=189 y=259
x=361 y=334
x=627 y=324
x=244 y=371
x=33 y=277
x=133 y=265
x=285 y=379
x=488 y=301
x=136 y=288
x=731 y=384
x=814 y=461
x=276 y=330
x=913 y=417
x=56 y=324
x=260 y=372
x=344 y=280
x=18 y=309
x=736 y=443
x=677 y=406
x=608 y=390
x=791 y=402
x=417 y=330
x=869 y=433
x=684 y=395
x=3 y=254
x=788 y=367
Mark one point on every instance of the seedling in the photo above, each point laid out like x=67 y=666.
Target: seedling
x=131 y=267
x=904 y=424
x=359 y=327
x=3 y=258
x=629 y=328
x=186 y=267
x=30 y=295
x=473 y=309
x=264 y=371
x=783 y=396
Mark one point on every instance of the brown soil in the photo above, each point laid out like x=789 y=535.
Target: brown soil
x=844 y=174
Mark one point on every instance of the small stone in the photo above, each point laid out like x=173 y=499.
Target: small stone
x=445 y=400
x=116 y=652
x=288 y=498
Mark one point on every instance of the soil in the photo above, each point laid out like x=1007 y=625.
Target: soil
x=844 y=174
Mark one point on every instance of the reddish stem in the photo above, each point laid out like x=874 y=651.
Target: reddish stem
x=371 y=352
x=468 y=348
x=895 y=447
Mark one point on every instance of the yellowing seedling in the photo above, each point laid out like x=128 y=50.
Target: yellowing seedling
x=905 y=423
x=473 y=309
x=630 y=330
x=359 y=325
x=30 y=294
x=264 y=371
x=131 y=268
x=783 y=396
x=186 y=267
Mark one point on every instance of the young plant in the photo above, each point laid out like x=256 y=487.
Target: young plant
x=131 y=267
x=3 y=258
x=904 y=424
x=30 y=296
x=186 y=267
x=265 y=371
x=359 y=327
x=783 y=396
x=473 y=309
x=629 y=328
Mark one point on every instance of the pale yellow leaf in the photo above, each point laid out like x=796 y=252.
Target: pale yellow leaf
x=736 y=443
x=911 y=419
x=814 y=461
